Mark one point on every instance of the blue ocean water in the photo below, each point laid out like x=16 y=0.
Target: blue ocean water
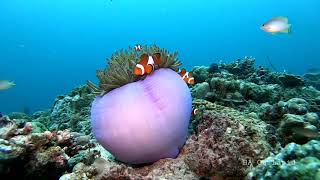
x=49 y=47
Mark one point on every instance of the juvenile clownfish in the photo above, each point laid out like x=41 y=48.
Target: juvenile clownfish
x=138 y=47
x=186 y=76
x=147 y=64
x=195 y=112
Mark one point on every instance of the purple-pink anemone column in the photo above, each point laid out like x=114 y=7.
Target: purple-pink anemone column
x=144 y=121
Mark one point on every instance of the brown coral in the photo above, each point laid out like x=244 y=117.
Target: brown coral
x=121 y=64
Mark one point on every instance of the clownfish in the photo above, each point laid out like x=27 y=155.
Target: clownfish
x=186 y=76
x=195 y=112
x=138 y=47
x=147 y=64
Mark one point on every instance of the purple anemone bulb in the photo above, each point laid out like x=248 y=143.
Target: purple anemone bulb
x=146 y=120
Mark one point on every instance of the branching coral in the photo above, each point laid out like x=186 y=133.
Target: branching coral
x=121 y=64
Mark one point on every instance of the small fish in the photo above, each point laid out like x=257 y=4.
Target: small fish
x=306 y=132
x=186 y=76
x=147 y=64
x=195 y=111
x=278 y=24
x=5 y=84
x=138 y=47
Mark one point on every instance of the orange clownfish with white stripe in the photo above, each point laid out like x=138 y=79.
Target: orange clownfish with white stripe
x=186 y=76
x=147 y=64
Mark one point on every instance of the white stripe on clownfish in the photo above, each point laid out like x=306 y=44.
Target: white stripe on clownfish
x=186 y=75
x=140 y=67
x=191 y=80
x=150 y=60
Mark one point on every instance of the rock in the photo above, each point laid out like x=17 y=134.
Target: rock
x=297 y=106
x=200 y=90
x=19 y=115
x=298 y=161
x=38 y=127
x=214 y=68
x=289 y=80
x=297 y=128
x=313 y=79
x=223 y=135
x=200 y=73
x=260 y=93
x=72 y=111
x=241 y=68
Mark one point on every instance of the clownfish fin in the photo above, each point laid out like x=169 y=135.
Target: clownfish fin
x=157 y=58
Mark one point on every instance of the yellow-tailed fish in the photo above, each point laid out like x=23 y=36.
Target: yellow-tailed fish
x=5 y=84
x=276 y=25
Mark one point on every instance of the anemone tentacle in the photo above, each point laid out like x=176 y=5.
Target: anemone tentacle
x=119 y=70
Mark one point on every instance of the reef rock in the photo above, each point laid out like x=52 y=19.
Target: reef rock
x=313 y=79
x=224 y=142
x=25 y=154
x=241 y=68
x=200 y=73
x=299 y=128
x=294 y=161
x=72 y=111
x=200 y=90
x=289 y=80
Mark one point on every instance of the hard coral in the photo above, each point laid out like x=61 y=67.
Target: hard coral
x=293 y=162
x=225 y=142
x=120 y=67
x=26 y=155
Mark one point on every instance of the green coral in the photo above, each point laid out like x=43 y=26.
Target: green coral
x=121 y=65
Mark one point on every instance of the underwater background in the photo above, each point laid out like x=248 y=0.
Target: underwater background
x=119 y=89
x=49 y=47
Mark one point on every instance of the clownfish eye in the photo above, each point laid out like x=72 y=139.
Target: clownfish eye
x=263 y=24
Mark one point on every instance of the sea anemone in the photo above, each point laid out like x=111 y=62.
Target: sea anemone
x=141 y=119
x=120 y=67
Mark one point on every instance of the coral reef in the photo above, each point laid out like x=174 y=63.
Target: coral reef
x=313 y=79
x=72 y=111
x=294 y=161
x=224 y=141
x=251 y=122
x=25 y=154
x=219 y=148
